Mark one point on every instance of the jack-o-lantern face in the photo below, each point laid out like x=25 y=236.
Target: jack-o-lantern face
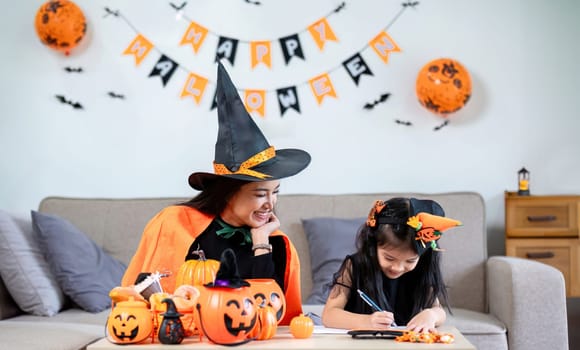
x=226 y=315
x=443 y=86
x=268 y=293
x=129 y=322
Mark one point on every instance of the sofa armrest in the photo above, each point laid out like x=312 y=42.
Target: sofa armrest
x=530 y=299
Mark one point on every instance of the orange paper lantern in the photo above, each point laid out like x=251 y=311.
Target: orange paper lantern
x=60 y=25
x=443 y=86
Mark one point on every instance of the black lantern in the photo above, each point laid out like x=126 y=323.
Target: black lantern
x=171 y=329
x=523 y=182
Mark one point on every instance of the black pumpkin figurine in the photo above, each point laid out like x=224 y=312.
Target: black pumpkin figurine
x=171 y=330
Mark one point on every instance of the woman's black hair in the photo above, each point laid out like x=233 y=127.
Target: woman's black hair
x=427 y=285
x=215 y=196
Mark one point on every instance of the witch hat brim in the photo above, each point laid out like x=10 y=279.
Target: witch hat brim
x=242 y=151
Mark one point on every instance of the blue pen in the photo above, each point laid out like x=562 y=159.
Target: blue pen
x=371 y=303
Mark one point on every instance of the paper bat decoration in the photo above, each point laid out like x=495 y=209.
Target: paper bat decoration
x=253 y=2
x=410 y=4
x=73 y=70
x=441 y=126
x=63 y=100
x=407 y=123
x=115 y=95
x=180 y=7
x=383 y=98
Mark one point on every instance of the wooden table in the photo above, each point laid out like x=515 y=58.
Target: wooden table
x=318 y=341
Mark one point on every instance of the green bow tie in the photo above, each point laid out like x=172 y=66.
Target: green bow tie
x=228 y=231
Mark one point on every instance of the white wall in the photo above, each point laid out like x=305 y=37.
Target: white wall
x=523 y=112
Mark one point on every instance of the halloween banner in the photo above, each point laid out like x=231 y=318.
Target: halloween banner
x=288 y=97
x=320 y=32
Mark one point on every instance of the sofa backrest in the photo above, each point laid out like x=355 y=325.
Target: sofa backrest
x=117 y=224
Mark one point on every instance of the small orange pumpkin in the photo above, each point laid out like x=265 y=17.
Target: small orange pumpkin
x=301 y=326
x=129 y=322
x=197 y=272
x=266 y=325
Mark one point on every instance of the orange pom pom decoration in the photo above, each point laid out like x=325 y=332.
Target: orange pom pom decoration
x=60 y=25
x=443 y=86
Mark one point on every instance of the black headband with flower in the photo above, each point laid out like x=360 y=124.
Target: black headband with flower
x=423 y=218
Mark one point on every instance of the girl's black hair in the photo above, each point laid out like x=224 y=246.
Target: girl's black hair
x=215 y=196
x=427 y=285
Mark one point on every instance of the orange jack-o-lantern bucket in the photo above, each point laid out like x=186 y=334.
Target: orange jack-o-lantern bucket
x=225 y=315
x=267 y=292
x=129 y=322
x=225 y=310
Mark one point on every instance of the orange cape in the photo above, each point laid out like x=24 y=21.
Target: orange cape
x=167 y=238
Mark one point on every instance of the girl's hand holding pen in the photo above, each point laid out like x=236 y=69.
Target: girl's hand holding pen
x=380 y=318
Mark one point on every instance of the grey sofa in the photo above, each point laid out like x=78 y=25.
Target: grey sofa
x=497 y=302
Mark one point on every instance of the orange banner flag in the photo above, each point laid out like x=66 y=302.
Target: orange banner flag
x=255 y=101
x=194 y=35
x=321 y=87
x=321 y=32
x=261 y=53
x=194 y=87
x=139 y=47
x=383 y=45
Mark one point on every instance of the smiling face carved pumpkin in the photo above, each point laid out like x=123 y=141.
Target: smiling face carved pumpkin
x=226 y=315
x=443 y=86
x=267 y=292
x=129 y=322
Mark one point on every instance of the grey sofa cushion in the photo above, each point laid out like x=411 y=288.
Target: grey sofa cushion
x=83 y=270
x=329 y=241
x=24 y=270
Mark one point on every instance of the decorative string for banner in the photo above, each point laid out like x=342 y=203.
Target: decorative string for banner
x=321 y=85
x=260 y=50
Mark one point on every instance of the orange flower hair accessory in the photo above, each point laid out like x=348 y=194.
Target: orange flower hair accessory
x=377 y=207
x=429 y=228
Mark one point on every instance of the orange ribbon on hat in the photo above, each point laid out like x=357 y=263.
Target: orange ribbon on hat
x=256 y=159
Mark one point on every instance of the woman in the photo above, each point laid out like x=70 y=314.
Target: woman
x=234 y=209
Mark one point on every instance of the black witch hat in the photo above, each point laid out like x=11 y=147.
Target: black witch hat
x=228 y=275
x=241 y=150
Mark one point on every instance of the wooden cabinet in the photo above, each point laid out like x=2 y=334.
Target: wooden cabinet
x=546 y=229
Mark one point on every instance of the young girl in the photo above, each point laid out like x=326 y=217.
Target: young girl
x=397 y=266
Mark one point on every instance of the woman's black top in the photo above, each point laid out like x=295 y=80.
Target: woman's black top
x=271 y=265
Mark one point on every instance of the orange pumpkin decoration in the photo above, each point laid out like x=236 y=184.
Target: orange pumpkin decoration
x=197 y=272
x=268 y=293
x=266 y=325
x=226 y=315
x=443 y=86
x=129 y=322
x=301 y=326
x=60 y=25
